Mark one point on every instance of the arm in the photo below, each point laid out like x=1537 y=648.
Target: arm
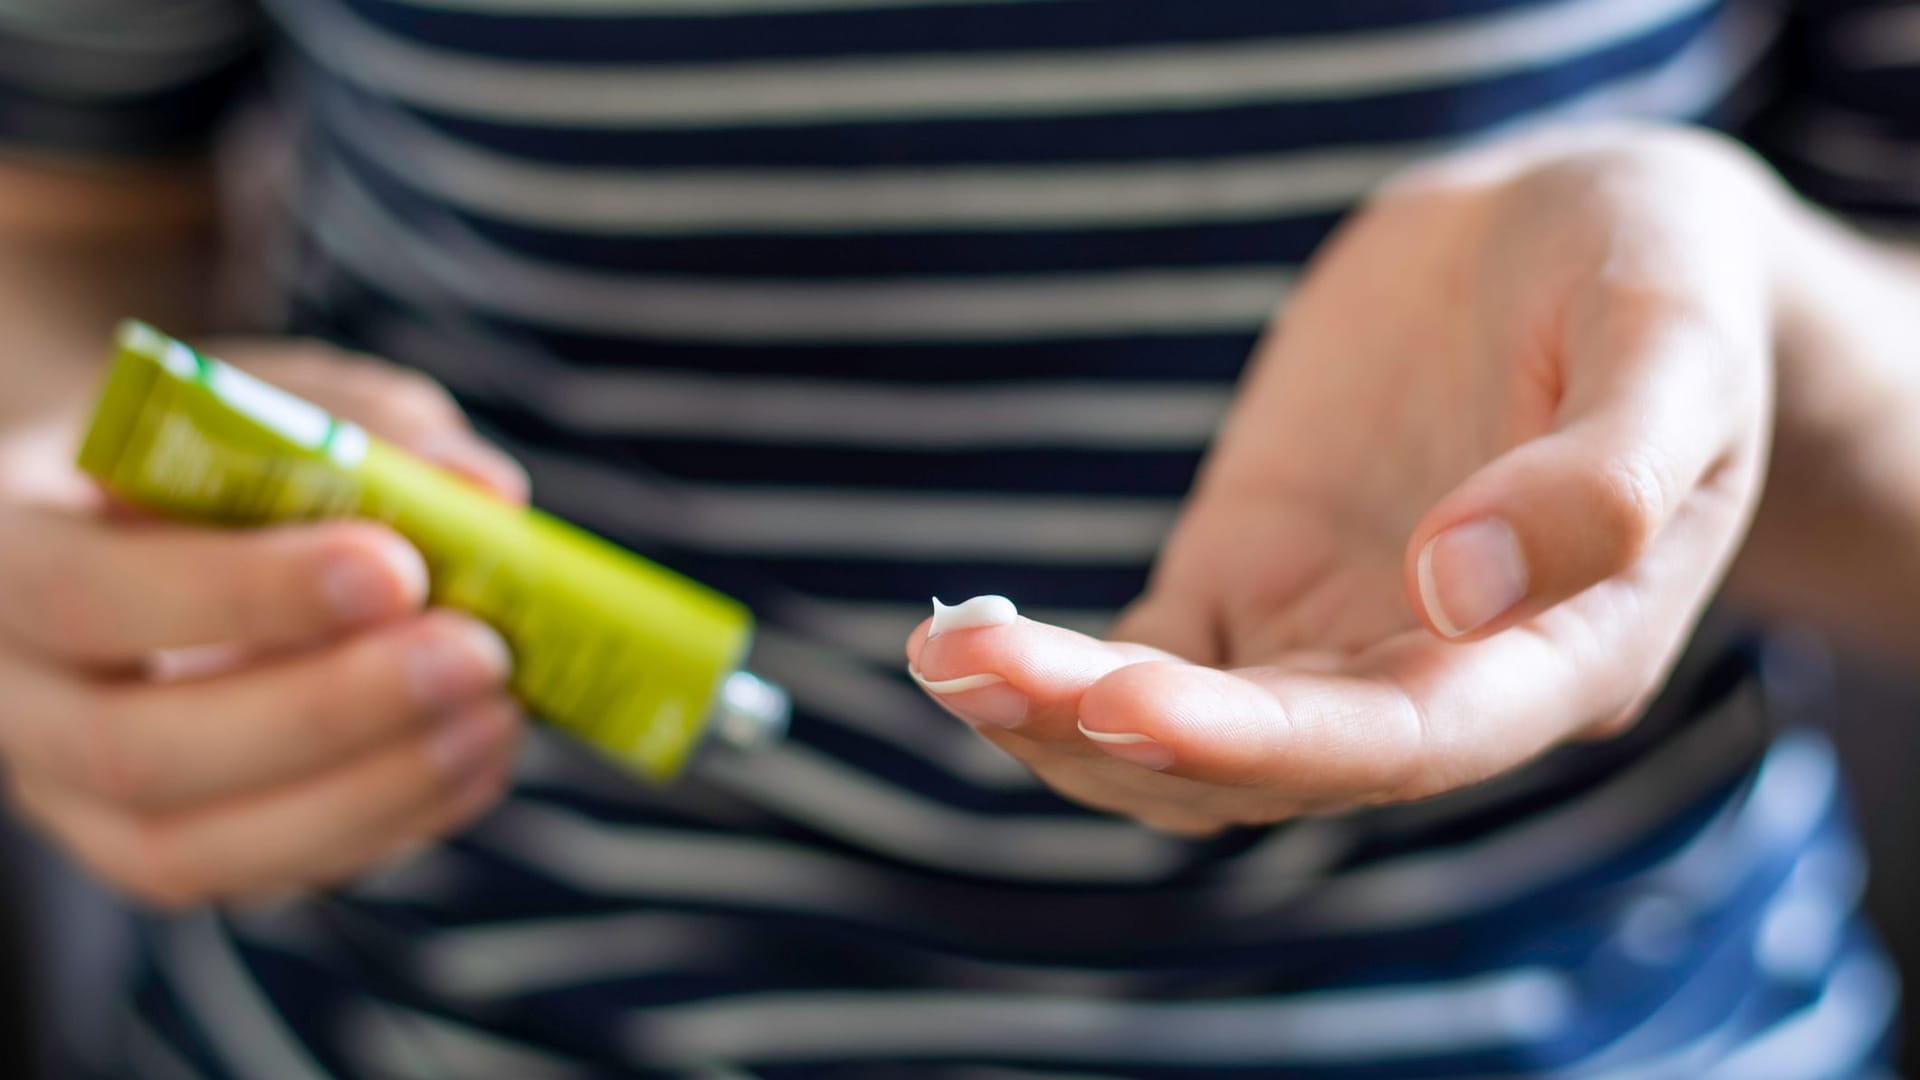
x=1836 y=541
x=82 y=246
x=204 y=714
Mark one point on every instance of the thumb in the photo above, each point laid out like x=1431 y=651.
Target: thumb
x=1648 y=415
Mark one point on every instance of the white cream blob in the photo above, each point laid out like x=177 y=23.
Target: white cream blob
x=966 y=615
x=972 y=614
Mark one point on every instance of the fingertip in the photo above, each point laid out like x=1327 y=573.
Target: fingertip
x=1155 y=700
x=1466 y=578
x=472 y=459
x=1126 y=716
x=916 y=641
x=1192 y=721
x=370 y=574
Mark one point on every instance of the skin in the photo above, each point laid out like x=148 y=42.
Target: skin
x=1582 y=336
x=1578 y=336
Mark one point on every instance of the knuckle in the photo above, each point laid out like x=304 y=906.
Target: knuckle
x=410 y=396
x=321 y=713
x=1627 y=502
x=100 y=759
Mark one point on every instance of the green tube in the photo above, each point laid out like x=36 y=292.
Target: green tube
x=633 y=658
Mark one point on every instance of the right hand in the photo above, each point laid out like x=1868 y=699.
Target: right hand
x=212 y=715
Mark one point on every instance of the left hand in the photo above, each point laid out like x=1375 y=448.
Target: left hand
x=1477 y=486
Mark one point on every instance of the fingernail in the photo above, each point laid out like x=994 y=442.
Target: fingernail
x=980 y=700
x=1138 y=749
x=1471 y=574
x=970 y=614
x=457 y=663
x=465 y=742
x=360 y=588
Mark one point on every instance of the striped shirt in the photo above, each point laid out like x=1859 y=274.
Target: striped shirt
x=841 y=304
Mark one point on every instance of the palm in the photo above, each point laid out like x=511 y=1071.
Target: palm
x=1375 y=396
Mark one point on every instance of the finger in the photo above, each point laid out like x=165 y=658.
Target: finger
x=478 y=462
x=176 y=744
x=85 y=590
x=321 y=828
x=1417 y=716
x=1310 y=736
x=403 y=407
x=1656 y=404
x=995 y=669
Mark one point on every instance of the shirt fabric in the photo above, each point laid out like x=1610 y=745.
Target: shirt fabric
x=841 y=304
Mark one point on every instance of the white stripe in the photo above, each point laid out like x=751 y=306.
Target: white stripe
x=237 y=1019
x=802 y=201
x=820 y=792
x=130 y=27
x=1884 y=37
x=1693 y=82
x=1288 y=863
x=539 y=954
x=1073 y=530
x=1096 y=414
x=68 y=75
x=1022 y=1074
x=1831 y=1037
x=102 y=55
x=490 y=962
x=1805 y=925
x=1480 y=1013
x=1169 y=77
x=663 y=864
x=454 y=265
x=397 y=1043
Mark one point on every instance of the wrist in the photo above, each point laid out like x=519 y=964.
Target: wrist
x=1836 y=540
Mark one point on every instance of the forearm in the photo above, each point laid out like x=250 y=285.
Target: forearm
x=80 y=248
x=1836 y=542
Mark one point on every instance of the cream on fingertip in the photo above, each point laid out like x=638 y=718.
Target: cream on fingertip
x=972 y=614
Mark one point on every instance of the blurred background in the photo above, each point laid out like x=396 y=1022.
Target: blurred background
x=61 y=940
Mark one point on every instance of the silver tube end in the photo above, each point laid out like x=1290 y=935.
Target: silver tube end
x=751 y=712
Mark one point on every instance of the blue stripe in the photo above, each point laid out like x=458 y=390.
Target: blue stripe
x=641 y=37
x=179 y=122
x=1063 y=472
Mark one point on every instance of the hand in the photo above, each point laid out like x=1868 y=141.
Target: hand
x=1478 y=483
x=208 y=714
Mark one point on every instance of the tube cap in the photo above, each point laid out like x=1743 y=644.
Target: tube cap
x=751 y=712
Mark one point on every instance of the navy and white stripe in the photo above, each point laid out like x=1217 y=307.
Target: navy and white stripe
x=839 y=304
